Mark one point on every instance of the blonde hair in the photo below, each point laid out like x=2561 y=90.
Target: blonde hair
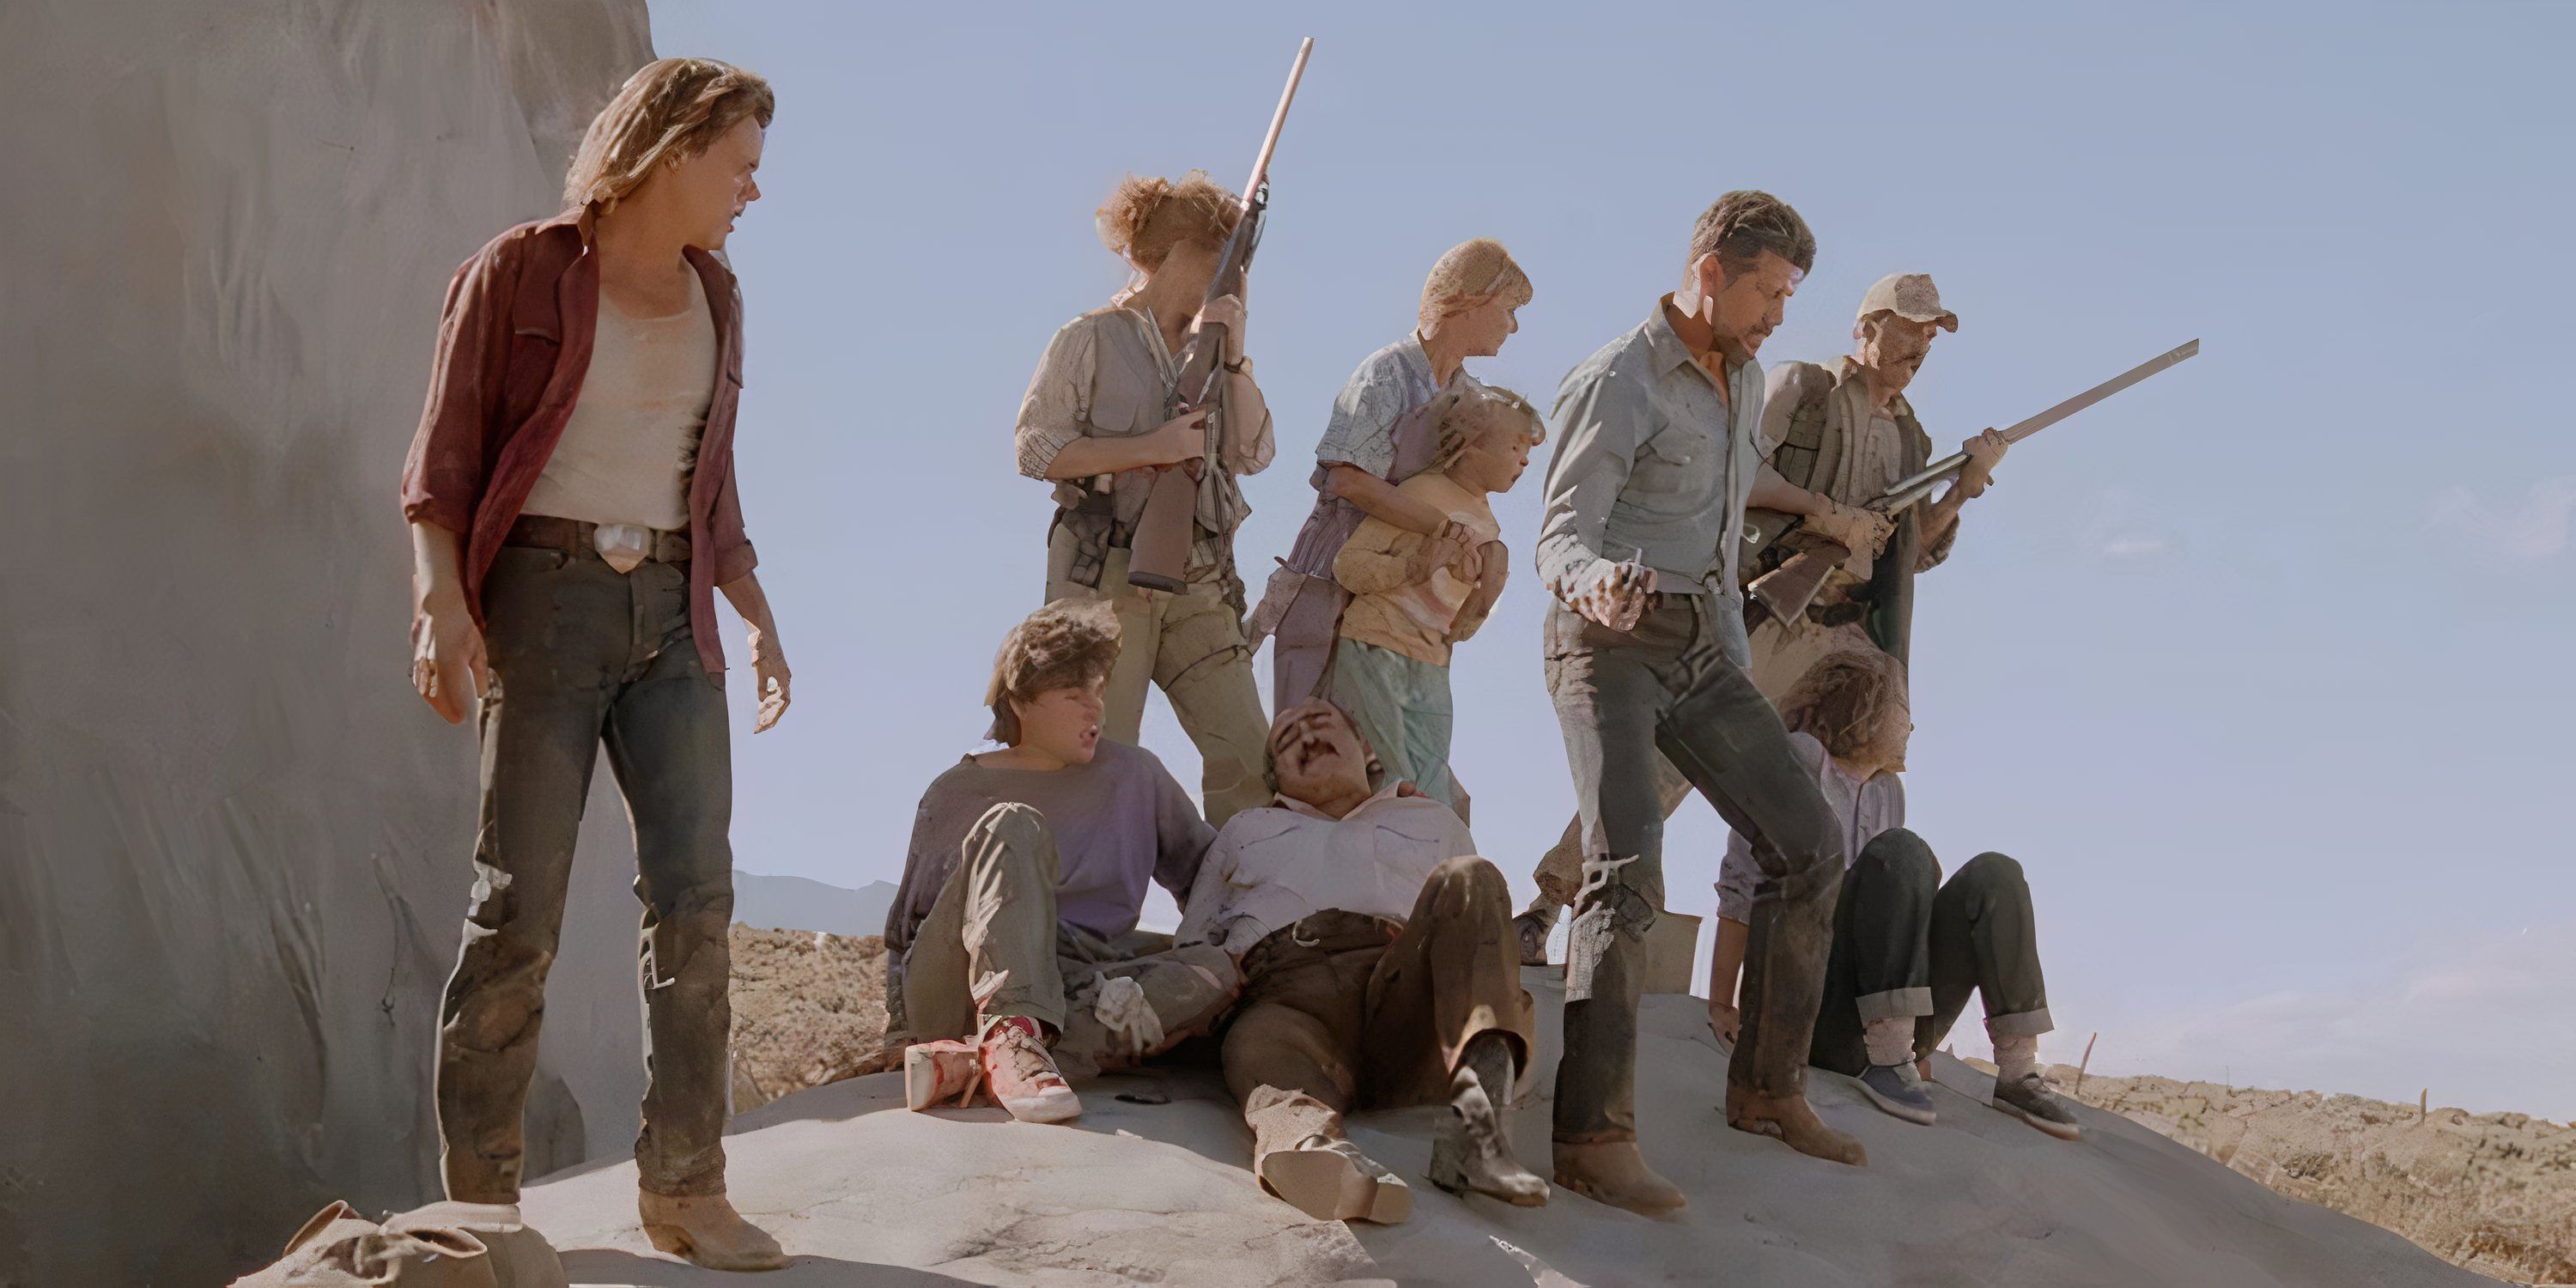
x=1471 y=273
x=668 y=112
x=1457 y=415
x=1066 y=644
x=1145 y=217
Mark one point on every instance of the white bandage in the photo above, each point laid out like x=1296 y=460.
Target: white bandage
x=1588 y=935
x=1123 y=1010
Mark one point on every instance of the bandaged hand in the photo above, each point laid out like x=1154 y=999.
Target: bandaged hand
x=1859 y=531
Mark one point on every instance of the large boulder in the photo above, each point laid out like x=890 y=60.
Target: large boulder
x=233 y=845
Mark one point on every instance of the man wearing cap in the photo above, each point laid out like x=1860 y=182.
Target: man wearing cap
x=1846 y=431
x=1836 y=438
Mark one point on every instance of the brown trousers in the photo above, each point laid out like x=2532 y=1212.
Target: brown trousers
x=1345 y=1011
x=583 y=657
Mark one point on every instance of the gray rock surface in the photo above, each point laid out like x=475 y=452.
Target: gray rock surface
x=233 y=844
x=862 y=1192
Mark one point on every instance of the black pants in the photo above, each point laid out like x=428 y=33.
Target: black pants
x=1667 y=690
x=1907 y=943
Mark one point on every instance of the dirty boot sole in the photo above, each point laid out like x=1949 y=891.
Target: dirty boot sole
x=1331 y=1186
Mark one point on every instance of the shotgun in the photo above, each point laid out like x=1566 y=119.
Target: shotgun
x=1785 y=591
x=1159 y=553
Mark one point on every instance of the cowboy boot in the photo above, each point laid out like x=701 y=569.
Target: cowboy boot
x=1792 y=1121
x=704 y=1230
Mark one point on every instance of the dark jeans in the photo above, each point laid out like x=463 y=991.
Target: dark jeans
x=582 y=657
x=1907 y=943
x=1666 y=689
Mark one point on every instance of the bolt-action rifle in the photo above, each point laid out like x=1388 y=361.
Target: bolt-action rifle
x=1785 y=591
x=1160 y=550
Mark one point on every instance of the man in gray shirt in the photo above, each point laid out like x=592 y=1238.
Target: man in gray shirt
x=1658 y=447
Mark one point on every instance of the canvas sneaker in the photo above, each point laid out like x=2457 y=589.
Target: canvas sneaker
x=1899 y=1090
x=2032 y=1100
x=1022 y=1075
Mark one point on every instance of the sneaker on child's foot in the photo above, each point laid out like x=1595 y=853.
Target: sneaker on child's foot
x=1022 y=1075
x=1899 y=1090
x=2032 y=1100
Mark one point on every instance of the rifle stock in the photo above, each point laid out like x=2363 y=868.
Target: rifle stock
x=1159 y=554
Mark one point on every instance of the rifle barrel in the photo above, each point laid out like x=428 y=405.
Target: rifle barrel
x=1278 y=120
x=1910 y=490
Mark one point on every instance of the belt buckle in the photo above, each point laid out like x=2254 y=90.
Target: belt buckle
x=622 y=545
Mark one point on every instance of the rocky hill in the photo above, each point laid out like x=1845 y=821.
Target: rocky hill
x=1151 y=1186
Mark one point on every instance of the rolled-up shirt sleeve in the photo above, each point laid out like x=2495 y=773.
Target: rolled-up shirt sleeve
x=443 y=476
x=1361 y=431
x=1058 y=403
x=1599 y=423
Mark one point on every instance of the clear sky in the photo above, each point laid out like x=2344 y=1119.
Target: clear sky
x=2262 y=668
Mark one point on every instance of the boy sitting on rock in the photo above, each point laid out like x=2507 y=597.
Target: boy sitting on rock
x=1908 y=946
x=1390 y=666
x=1015 y=925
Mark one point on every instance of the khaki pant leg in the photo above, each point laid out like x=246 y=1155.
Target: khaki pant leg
x=995 y=916
x=1205 y=668
x=1122 y=717
x=1452 y=974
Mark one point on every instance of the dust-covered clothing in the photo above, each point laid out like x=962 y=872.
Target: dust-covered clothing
x=1108 y=374
x=1652 y=465
x=994 y=944
x=1271 y=866
x=1390 y=607
x=1864 y=807
x=1343 y=1010
x=1119 y=821
x=631 y=443
x=1906 y=943
x=1190 y=644
x=583 y=657
x=1376 y=426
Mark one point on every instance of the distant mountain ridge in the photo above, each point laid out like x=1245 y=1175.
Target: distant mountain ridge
x=800 y=903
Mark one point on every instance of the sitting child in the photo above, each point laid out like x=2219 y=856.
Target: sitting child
x=1414 y=597
x=1908 y=946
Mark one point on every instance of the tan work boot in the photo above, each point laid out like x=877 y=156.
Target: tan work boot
x=1329 y=1179
x=1021 y=1074
x=1614 y=1172
x=1793 y=1122
x=704 y=1230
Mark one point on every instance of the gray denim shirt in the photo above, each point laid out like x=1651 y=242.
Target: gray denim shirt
x=1650 y=465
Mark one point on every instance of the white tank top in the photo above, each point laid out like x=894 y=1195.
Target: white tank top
x=632 y=442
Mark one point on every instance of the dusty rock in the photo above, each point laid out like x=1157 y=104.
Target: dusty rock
x=1152 y=1186
x=807 y=1008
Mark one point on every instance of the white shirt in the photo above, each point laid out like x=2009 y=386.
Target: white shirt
x=1274 y=866
x=632 y=442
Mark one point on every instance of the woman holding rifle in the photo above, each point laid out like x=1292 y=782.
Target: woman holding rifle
x=1096 y=424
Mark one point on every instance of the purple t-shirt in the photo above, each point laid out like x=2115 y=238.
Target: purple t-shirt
x=1117 y=822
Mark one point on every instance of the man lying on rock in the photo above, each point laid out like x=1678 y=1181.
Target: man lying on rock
x=1908 y=947
x=1379 y=970
x=1012 y=950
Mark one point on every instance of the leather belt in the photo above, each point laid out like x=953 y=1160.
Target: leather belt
x=578 y=537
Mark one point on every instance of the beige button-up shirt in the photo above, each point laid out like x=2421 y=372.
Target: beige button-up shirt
x=1273 y=867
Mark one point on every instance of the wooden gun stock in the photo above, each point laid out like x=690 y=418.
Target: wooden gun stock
x=1159 y=554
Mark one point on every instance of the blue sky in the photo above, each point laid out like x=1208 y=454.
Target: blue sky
x=2260 y=668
